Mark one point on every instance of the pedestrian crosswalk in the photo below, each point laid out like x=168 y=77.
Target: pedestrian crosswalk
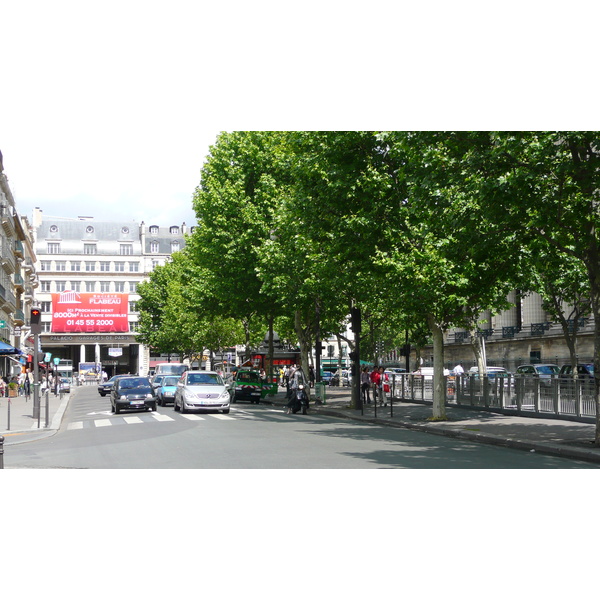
x=153 y=417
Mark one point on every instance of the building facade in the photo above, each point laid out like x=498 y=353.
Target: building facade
x=18 y=282
x=89 y=272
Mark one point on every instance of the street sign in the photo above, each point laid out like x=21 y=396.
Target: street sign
x=2 y=324
x=56 y=360
x=48 y=357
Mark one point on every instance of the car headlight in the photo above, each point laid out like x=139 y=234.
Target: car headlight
x=149 y=396
x=123 y=398
x=224 y=395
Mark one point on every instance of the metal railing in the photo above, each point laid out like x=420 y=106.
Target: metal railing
x=561 y=397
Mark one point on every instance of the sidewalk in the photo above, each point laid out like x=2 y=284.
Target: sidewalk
x=23 y=427
x=569 y=439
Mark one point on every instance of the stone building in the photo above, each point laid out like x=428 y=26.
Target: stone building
x=17 y=282
x=89 y=271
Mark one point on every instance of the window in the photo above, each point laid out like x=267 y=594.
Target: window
x=133 y=286
x=174 y=229
x=90 y=286
x=75 y=265
x=105 y=286
x=154 y=246
x=126 y=249
x=89 y=229
x=76 y=286
x=174 y=246
x=46 y=265
x=90 y=249
x=119 y=266
x=45 y=286
x=134 y=267
x=53 y=248
x=119 y=286
x=61 y=265
x=132 y=306
x=105 y=265
x=153 y=229
x=90 y=266
x=46 y=306
x=132 y=325
x=61 y=286
x=155 y=264
x=46 y=326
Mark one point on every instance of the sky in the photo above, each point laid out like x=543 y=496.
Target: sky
x=108 y=109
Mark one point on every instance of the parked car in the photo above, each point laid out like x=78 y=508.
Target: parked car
x=584 y=370
x=64 y=385
x=132 y=393
x=491 y=372
x=246 y=385
x=326 y=377
x=106 y=386
x=201 y=390
x=544 y=372
x=165 y=391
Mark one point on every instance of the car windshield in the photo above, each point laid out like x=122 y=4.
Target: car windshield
x=128 y=384
x=170 y=381
x=548 y=370
x=248 y=376
x=204 y=379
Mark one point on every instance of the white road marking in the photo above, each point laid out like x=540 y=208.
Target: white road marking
x=193 y=417
x=222 y=417
x=76 y=425
x=160 y=417
x=102 y=422
x=132 y=420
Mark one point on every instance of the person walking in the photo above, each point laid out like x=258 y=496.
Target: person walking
x=365 y=385
x=384 y=386
x=375 y=379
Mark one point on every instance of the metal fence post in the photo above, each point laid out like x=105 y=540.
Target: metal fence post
x=536 y=394
x=1 y=452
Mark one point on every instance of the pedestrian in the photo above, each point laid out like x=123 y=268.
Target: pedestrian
x=27 y=384
x=365 y=385
x=458 y=370
x=2 y=387
x=375 y=379
x=384 y=386
x=311 y=376
x=286 y=376
x=296 y=380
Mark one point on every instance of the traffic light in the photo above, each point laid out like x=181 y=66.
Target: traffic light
x=36 y=320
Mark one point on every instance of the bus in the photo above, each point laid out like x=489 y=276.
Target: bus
x=170 y=368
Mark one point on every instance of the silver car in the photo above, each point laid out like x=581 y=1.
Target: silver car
x=201 y=390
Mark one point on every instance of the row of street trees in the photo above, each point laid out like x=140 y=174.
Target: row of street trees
x=405 y=231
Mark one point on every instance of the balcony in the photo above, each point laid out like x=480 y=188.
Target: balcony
x=19 y=317
x=19 y=248
x=19 y=282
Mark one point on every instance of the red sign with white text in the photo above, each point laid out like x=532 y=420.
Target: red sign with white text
x=73 y=312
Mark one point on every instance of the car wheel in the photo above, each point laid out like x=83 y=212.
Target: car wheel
x=159 y=402
x=117 y=410
x=183 y=408
x=154 y=407
x=175 y=407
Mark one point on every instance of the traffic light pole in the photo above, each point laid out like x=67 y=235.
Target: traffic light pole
x=36 y=378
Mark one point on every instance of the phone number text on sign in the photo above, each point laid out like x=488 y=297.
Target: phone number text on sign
x=90 y=313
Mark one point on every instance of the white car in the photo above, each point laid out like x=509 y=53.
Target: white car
x=201 y=390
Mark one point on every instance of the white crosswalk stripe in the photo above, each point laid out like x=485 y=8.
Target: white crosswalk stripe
x=237 y=414
x=130 y=420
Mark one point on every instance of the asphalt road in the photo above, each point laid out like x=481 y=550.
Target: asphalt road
x=251 y=437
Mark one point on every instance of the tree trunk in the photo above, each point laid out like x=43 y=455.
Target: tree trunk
x=439 y=393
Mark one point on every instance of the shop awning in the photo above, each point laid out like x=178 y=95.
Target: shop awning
x=8 y=349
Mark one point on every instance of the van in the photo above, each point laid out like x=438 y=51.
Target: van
x=170 y=368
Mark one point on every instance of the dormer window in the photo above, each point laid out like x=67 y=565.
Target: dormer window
x=174 y=229
x=153 y=228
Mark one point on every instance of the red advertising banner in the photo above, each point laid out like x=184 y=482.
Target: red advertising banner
x=73 y=312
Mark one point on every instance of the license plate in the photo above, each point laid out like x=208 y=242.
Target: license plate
x=137 y=402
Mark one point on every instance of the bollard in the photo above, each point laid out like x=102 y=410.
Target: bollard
x=1 y=452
